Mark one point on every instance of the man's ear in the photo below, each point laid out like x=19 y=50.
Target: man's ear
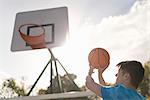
x=127 y=77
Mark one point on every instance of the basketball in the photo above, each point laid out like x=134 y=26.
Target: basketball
x=99 y=58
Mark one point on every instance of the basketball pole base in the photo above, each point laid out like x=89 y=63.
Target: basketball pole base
x=51 y=61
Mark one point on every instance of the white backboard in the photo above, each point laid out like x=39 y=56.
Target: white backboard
x=54 y=21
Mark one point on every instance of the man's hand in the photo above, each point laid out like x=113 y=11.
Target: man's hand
x=100 y=77
x=101 y=70
x=90 y=71
x=91 y=85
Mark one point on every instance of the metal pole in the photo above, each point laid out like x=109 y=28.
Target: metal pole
x=38 y=78
x=58 y=78
x=51 y=78
x=57 y=75
x=75 y=86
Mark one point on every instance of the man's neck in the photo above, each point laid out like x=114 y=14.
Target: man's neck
x=127 y=85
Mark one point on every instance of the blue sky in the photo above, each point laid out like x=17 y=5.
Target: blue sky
x=119 y=27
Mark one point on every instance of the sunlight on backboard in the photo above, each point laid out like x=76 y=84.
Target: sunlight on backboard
x=54 y=21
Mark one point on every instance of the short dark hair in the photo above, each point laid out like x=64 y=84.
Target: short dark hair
x=135 y=69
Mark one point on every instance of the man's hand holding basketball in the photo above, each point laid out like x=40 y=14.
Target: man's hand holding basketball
x=101 y=69
x=90 y=70
x=100 y=77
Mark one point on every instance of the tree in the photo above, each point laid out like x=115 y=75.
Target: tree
x=11 y=89
x=144 y=87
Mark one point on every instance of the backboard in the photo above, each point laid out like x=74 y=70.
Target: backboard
x=54 y=21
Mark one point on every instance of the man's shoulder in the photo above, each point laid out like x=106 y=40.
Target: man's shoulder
x=120 y=91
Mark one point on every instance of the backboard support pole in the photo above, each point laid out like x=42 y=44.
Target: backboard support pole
x=51 y=61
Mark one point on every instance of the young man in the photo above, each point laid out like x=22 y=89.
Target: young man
x=129 y=76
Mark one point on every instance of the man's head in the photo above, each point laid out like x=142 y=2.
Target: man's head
x=130 y=72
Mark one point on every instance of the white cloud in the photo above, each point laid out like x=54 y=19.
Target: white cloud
x=122 y=33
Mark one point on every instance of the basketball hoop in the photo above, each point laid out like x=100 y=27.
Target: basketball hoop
x=35 y=41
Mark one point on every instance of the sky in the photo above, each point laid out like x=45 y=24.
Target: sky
x=119 y=27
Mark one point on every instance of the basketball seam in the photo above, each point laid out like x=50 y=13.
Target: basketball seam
x=99 y=57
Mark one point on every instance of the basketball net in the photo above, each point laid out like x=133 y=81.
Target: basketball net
x=35 y=42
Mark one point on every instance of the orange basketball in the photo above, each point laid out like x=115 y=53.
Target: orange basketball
x=99 y=57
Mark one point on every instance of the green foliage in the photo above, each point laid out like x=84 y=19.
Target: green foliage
x=144 y=87
x=11 y=89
